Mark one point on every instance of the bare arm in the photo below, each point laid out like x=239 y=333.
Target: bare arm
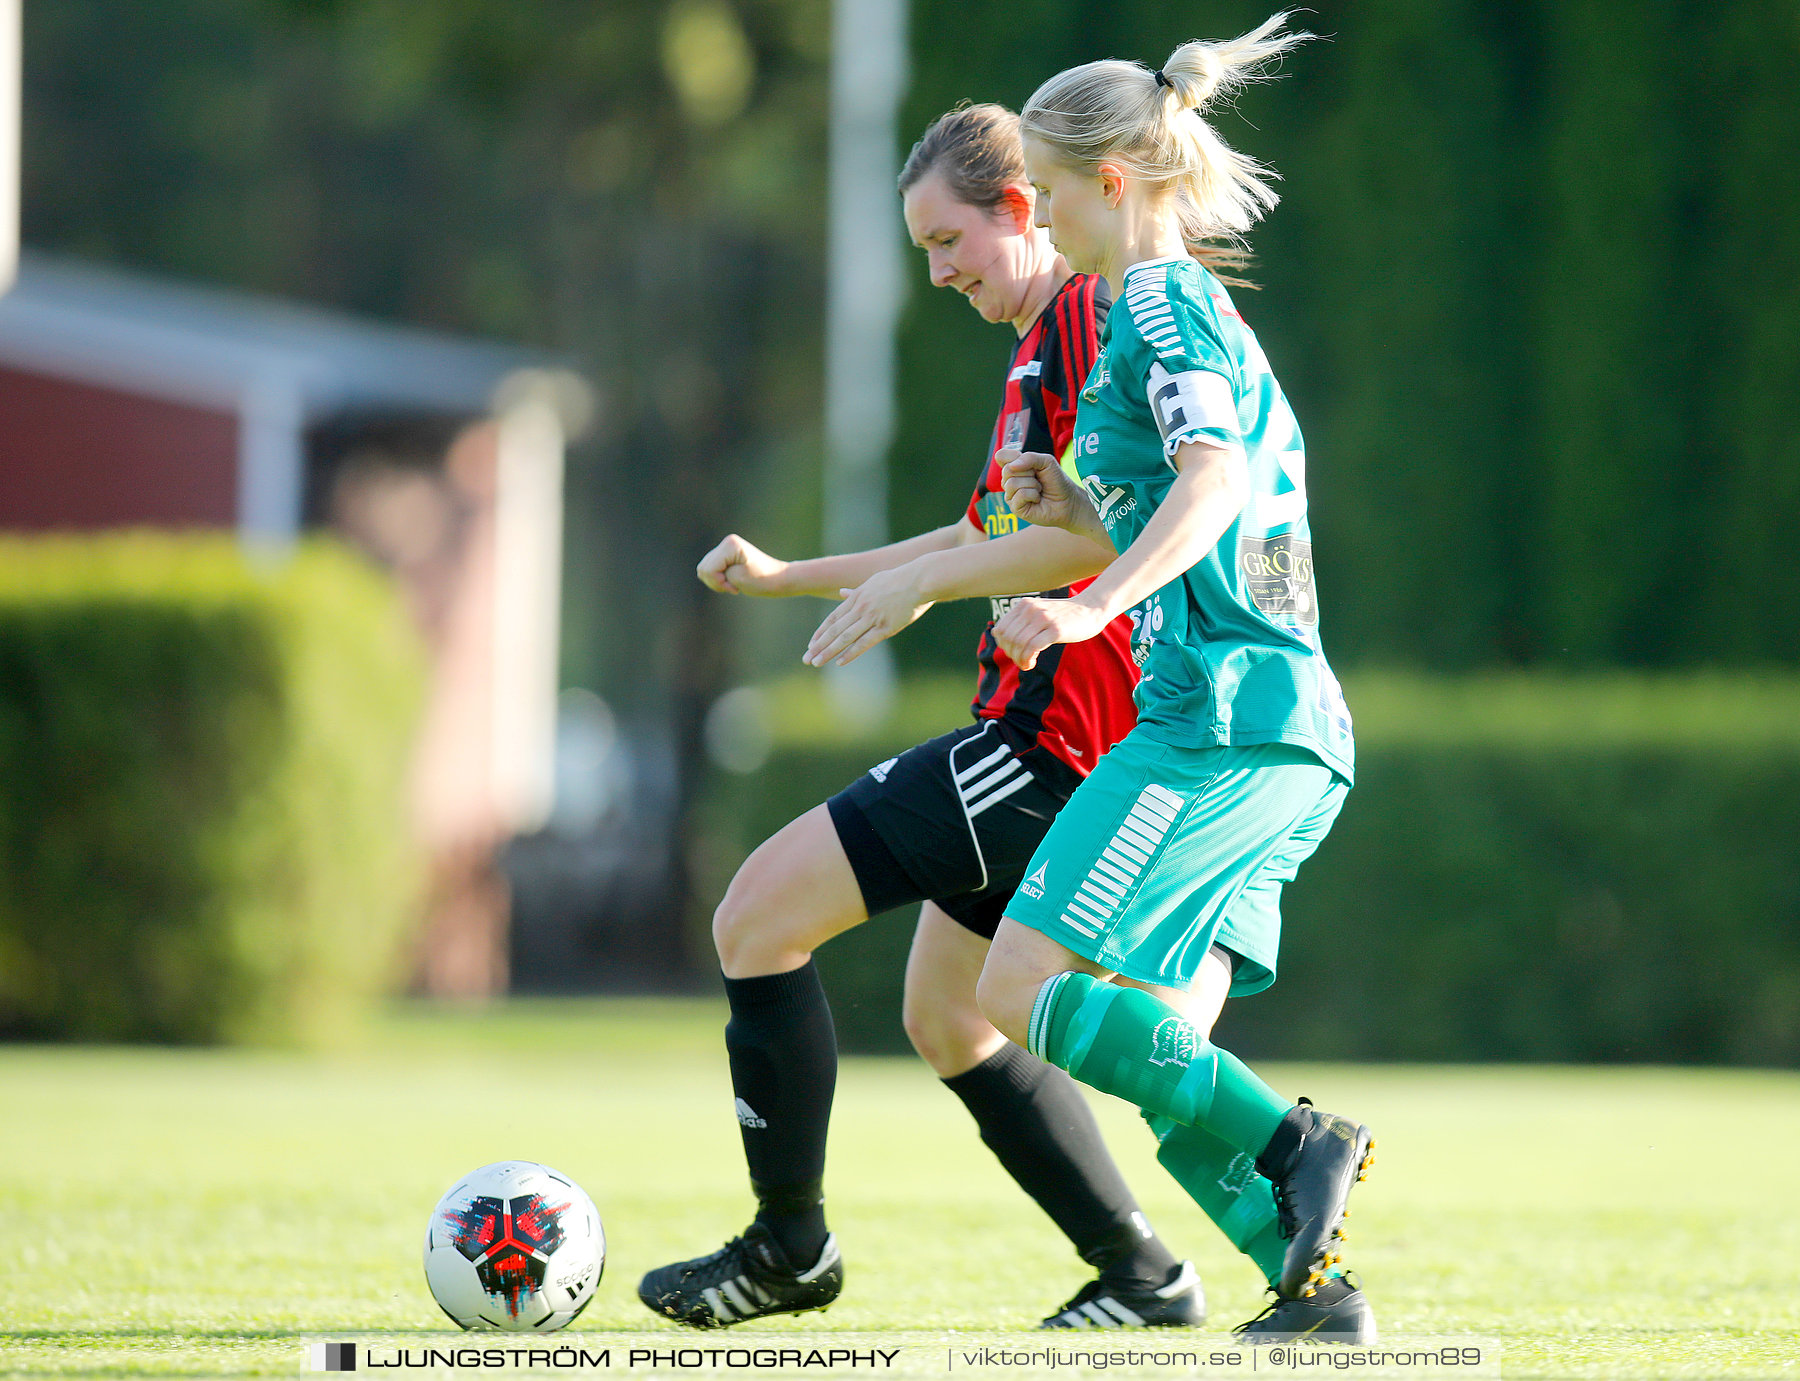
x=1208 y=494
x=736 y=567
x=1036 y=558
x=1023 y=562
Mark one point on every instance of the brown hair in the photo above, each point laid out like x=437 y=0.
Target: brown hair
x=975 y=148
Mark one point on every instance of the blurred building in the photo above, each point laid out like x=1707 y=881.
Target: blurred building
x=131 y=401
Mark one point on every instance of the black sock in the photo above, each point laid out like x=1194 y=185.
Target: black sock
x=1035 y=1119
x=783 y=1052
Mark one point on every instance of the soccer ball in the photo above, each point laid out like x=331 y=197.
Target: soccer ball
x=514 y=1246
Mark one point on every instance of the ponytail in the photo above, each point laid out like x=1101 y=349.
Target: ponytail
x=1152 y=125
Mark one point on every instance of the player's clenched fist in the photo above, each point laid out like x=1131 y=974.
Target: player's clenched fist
x=735 y=567
x=1031 y=625
x=1040 y=491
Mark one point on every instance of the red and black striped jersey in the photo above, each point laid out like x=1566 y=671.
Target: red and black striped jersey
x=1076 y=702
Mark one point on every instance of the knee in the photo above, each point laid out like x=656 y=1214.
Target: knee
x=950 y=1035
x=925 y=1029
x=919 y=1022
x=727 y=930
x=997 y=995
x=740 y=925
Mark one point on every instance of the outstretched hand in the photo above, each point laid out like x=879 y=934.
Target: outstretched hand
x=735 y=567
x=1040 y=491
x=1031 y=625
x=877 y=609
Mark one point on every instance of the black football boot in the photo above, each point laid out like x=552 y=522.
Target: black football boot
x=747 y=1278
x=1178 y=1302
x=1326 y=1155
x=1336 y=1311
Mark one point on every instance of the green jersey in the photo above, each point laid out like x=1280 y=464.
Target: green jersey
x=1230 y=650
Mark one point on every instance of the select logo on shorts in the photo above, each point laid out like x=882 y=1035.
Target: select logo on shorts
x=1103 y=890
x=332 y=1357
x=1034 y=885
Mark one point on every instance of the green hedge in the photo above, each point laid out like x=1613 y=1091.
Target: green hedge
x=1528 y=869
x=202 y=758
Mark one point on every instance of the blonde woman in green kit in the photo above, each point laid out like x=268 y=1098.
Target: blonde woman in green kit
x=1161 y=878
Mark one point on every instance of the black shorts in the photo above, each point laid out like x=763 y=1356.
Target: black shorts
x=953 y=821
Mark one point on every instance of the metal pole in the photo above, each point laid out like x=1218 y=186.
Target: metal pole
x=12 y=42
x=865 y=292
x=528 y=533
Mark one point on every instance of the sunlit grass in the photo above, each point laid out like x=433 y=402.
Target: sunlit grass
x=206 y=1212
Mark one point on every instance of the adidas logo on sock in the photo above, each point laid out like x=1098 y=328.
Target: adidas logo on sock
x=1034 y=885
x=747 y=1117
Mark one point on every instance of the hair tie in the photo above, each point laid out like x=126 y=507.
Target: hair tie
x=1161 y=80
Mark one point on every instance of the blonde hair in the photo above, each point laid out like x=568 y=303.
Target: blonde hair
x=1151 y=125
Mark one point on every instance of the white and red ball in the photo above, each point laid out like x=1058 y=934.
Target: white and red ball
x=514 y=1246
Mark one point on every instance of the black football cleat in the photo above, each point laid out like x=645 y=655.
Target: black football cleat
x=1311 y=1191
x=748 y=1278
x=1336 y=1311
x=1178 y=1302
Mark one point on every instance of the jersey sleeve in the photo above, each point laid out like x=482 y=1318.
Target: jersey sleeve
x=986 y=476
x=973 y=512
x=1071 y=343
x=1189 y=376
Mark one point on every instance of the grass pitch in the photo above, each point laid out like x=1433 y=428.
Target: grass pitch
x=205 y=1212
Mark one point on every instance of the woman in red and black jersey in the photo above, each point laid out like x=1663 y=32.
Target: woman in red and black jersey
x=951 y=823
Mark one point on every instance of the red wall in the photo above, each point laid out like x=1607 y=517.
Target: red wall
x=77 y=456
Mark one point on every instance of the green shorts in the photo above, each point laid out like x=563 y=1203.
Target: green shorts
x=1163 y=852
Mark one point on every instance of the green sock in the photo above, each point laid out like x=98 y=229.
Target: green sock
x=1225 y=1183
x=1127 y=1043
